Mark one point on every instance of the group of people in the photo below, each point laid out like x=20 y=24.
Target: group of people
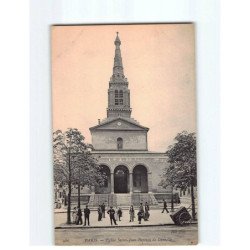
x=77 y=215
x=143 y=212
x=115 y=214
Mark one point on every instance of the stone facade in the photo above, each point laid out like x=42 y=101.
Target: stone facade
x=120 y=142
x=154 y=164
x=105 y=136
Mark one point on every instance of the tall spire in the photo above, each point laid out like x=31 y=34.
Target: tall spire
x=118 y=67
x=118 y=93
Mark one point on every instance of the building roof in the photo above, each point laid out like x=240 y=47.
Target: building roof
x=109 y=120
x=130 y=152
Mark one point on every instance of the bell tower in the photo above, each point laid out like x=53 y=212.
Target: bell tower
x=118 y=92
x=119 y=131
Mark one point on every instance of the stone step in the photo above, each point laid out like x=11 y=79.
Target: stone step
x=122 y=199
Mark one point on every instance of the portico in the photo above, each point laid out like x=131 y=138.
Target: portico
x=125 y=180
x=130 y=172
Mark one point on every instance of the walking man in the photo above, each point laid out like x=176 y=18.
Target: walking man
x=111 y=213
x=79 y=216
x=165 y=206
x=86 y=212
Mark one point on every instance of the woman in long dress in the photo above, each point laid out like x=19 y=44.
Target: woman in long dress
x=131 y=213
x=116 y=213
x=146 y=216
x=74 y=215
x=119 y=212
x=99 y=212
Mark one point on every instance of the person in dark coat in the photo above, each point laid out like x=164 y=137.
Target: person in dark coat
x=140 y=213
x=146 y=216
x=111 y=213
x=141 y=209
x=165 y=207
x=119 y=213
x=79 y=216
x=103 y=210
x=99 y=210
x=140 y=216
x=86 y=212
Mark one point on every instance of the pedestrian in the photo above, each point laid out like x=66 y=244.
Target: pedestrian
x=119 y=213
x=131 y=213
x=140 y=216
x=178 y=199
x=165 y=206
x=79 y=216
x=103 y=210
x=86 y=212
x=116 y=213
x=74 y=215
x=99 y=211
x=141 y=209
x=140 y=213
x=111 y=213
x=147 y=214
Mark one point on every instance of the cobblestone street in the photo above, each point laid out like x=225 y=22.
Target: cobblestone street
x=155 y=235
x=159 y=230
x=156 y=218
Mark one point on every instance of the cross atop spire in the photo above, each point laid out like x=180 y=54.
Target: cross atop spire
x=117 y=40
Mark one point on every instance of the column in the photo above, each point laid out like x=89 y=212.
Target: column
x=150 y=182
x=112 y=182
x=131 y=182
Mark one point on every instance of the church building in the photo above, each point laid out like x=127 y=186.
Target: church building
x=121 y=144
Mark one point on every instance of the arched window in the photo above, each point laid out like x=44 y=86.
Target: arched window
x=119 y=143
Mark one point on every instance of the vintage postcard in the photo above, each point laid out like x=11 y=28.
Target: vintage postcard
x=124 y=134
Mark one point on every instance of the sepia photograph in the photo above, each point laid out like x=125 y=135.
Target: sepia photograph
x=124 y=134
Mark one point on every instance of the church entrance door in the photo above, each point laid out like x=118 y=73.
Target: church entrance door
x=140 y=179
x=121 y=179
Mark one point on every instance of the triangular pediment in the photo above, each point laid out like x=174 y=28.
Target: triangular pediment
x=119 y=124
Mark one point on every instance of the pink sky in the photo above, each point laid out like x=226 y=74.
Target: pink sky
x=158 y=61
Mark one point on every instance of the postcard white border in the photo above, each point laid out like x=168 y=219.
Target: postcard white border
x=45 y=13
